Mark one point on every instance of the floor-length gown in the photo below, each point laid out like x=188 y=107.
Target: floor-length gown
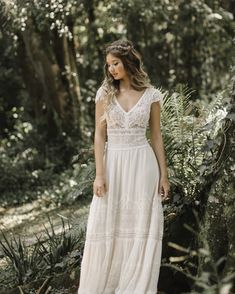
x=123 y=246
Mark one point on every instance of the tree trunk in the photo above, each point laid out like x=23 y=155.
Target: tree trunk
x=54 y=95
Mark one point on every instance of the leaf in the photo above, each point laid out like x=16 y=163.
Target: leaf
x=178 y=258
x=225 y=289
x=178 y=247
x=229 y=277
x=204 y=251
x=220 y=260
x=60 y=265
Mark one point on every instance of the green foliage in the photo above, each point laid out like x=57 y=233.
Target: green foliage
x=29 y=174
x=82 y=178
x=180 y=41
x=192 y=135
x=201 y=162
x=209 y=279
x=191 y=44
x=25 y=262
x=57 y=248
x=187 y=42
x=29 y=166
x=57 y=253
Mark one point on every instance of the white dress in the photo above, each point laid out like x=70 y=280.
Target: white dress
x=123 y=246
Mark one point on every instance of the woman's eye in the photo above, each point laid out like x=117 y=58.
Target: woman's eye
x=112 y=64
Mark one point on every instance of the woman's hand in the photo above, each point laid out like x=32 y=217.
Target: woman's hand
x=99 y=186
x=164 y=188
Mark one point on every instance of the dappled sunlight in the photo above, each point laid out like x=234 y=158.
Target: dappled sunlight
x=17 y=219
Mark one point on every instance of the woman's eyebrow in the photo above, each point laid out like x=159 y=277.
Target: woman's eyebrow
x=112 y=60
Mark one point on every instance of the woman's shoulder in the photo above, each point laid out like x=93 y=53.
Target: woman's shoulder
x=155 y=94
x=100 y=93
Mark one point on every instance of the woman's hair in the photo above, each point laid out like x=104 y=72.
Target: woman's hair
x=132 y=62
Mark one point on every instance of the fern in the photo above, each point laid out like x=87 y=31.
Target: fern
x=190 y=131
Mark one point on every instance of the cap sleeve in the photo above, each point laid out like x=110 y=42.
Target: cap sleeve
x=99 y=94
x=156 y=96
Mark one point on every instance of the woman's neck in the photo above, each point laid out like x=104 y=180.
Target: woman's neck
x=125 y=84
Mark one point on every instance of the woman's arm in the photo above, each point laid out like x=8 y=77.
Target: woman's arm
x=99 y=185
x=158 y=146
x=99 y=139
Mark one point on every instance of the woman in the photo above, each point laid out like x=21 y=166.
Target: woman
x=122 y=252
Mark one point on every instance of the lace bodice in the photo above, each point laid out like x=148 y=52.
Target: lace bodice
x=128 y=128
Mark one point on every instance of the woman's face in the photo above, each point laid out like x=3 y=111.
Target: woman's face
x=115 y=67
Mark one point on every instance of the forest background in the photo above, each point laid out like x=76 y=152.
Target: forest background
x=51 y=65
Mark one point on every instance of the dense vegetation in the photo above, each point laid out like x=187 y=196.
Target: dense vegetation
x=51 y=66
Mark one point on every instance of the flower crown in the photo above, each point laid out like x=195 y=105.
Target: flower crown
x=128 y=47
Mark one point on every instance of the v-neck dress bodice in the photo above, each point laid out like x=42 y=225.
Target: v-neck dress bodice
x=127 y=129
x=133 y=107
x=122 y=253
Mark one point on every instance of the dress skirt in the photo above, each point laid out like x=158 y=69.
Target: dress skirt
x=123 y=246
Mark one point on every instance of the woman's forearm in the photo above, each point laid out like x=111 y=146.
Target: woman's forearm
x=99 y=144
x=158 y=148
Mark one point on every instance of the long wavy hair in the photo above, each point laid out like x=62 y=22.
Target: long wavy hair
x=133 y=65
